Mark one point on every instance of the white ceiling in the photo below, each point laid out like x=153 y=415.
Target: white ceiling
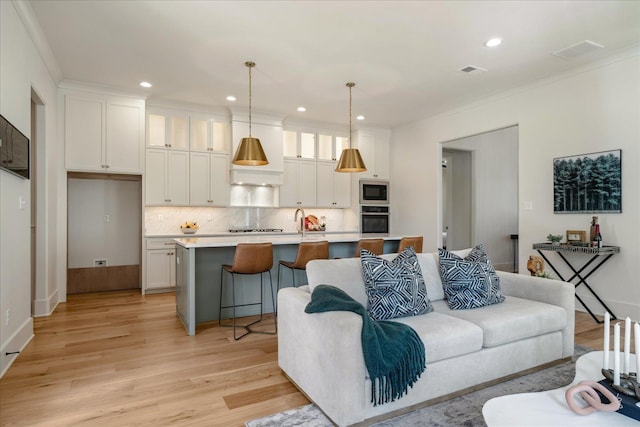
x=403 y=55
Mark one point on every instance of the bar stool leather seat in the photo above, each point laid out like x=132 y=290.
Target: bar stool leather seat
x=249 y=258
x=307 y=251
x=375 y=246
x=416 y=242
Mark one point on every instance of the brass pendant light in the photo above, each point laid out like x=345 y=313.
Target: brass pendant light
x=250 y=152
x=350 y=159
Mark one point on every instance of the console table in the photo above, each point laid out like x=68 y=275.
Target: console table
x=602 y=254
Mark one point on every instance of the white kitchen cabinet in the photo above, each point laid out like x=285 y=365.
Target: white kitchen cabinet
x=208 y=134
x=103 y=133
x=209 y=179
x=160 y=265
x=299 y=144
x=167 y=177
x=374 y=149
x=330 y=146
x=167 y=129
x=299 y=183
x=334 y=188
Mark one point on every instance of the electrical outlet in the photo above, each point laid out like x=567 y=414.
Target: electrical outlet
x=107 y=218
x=209 y=218
x=6 y=317
x=160 y=217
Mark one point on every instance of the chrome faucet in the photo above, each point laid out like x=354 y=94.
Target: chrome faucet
x=295 y=218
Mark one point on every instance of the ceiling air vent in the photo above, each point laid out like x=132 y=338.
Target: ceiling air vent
x=577 y=49
x=472 y=69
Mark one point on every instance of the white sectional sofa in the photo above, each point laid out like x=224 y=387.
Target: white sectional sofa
x=321 y=353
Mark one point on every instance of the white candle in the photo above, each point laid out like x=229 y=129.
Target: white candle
x=605 y=353
x=616 y=354
x=636 y=336
x=627 y=345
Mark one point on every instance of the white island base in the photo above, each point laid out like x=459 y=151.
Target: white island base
x=549 y=408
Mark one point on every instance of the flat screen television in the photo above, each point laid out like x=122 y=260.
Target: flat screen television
x=14 y=149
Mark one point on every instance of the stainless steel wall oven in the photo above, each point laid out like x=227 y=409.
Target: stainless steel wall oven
x=374 y=219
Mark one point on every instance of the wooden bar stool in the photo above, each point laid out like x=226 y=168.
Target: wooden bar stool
x=249 y=258
x=306 y=252
x=375 y=246
x=416 y=242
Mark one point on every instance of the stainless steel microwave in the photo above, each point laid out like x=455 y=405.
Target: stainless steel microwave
x=374 y=192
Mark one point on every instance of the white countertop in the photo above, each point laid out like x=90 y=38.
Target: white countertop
x=253 y=233
x=276 y=239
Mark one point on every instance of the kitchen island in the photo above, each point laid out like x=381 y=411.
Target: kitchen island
x=199 y=261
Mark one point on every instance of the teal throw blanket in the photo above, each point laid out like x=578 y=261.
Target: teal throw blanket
x=393 y=352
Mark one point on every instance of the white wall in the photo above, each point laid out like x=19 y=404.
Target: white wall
x=21 y=70
x=91 y=236
x=594 y=109
x=495 y=191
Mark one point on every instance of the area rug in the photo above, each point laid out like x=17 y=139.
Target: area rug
x=465 y=411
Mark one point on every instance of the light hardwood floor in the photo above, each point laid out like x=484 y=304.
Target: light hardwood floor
x=121 y=359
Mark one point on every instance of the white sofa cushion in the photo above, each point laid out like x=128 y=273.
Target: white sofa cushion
x=444 y=336
x=344 y=273
x=514 y=319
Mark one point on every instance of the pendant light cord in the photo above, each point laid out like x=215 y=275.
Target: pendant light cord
x=250 y=65
x=350 y=131
x=350 y=85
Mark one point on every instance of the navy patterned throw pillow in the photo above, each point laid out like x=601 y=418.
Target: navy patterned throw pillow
x=471 y=282
x=394 y=288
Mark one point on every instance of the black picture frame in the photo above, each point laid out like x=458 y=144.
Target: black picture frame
x=14 y=150
x=588 y=183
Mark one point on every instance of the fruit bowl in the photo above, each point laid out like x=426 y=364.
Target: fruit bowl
x=189 y=227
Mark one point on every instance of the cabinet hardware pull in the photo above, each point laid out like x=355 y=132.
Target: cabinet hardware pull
x=168 y=243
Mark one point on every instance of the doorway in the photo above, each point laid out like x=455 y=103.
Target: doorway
x=457 y=199
x=103 y=232
x=39 y=292
x=480 y=193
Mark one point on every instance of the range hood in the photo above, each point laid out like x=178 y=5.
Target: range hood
x=256 y=176
x=269 y=130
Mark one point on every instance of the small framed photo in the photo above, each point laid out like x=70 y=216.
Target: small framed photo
x=576 y=236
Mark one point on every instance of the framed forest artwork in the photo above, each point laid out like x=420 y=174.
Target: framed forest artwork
x=588 y=183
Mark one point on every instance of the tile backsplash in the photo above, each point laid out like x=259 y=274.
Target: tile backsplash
x=166 y=220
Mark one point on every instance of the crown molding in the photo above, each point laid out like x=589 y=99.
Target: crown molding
x=74 y=85
x=31 y=24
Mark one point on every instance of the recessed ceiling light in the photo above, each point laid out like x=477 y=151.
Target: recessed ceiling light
x=496 y=41
x=302 y=109
x=231 y=98
x=360 y=117
x=145 y=84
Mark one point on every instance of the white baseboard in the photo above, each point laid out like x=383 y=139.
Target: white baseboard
x=621 y=309
x=44 y=307
x=17 y=342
